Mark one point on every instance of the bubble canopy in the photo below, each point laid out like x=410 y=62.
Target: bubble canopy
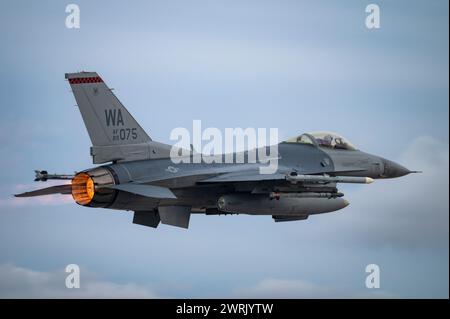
x=324 y=139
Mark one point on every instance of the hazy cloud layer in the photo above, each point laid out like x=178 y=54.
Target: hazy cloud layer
x=19 y=282
x=410 y=212
x=283 y=288
x=294 y=289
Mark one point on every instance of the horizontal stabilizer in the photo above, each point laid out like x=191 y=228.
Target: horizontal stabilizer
x=144 y=190
x=175 y=215
x=59 y=189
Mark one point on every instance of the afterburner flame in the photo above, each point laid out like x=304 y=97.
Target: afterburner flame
x=82 y=188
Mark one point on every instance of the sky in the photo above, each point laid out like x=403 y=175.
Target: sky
x=298 y=66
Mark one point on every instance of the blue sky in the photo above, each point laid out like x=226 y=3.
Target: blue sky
x=297 y=66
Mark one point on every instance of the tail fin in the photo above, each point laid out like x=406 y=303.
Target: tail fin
x=114 y=133
x=107 y=121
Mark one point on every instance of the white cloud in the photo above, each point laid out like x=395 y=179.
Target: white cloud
x=18 y=282
x=408 y=212
x=283 y=288
x=294 y=288
x=46 y=200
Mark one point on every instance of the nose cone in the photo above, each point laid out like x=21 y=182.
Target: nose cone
x=392 y=169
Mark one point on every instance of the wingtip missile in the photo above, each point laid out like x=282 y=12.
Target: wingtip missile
x=42 y=176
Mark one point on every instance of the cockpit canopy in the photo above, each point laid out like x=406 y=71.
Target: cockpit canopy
x=323 y=139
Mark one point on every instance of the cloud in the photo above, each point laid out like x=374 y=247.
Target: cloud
x=46 y=200
x=294 y=288
x=282 y=288
x=408 y=212
x=19 y=282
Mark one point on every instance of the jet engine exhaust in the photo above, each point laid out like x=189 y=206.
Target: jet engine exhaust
x=86 y=190
x=83 y=189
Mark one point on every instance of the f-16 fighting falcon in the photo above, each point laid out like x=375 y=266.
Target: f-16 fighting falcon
x=138 y=174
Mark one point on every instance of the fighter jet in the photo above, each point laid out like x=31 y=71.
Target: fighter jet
x=138 y=174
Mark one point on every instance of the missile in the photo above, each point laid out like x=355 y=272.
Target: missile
x=278 y=195
x=44 y=176
x=325 y=179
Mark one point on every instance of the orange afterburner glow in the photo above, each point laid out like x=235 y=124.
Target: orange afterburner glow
x=82 y=188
